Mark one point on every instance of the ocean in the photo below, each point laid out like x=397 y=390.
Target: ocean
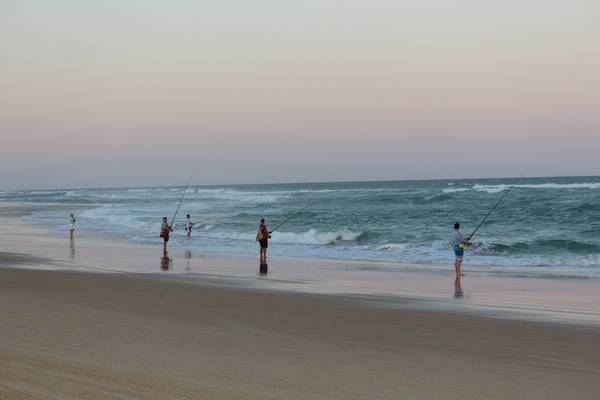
x=543 y=226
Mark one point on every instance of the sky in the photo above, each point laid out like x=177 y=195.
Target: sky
x=135 y=93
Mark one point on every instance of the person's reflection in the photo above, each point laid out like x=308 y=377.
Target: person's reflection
x=165 y=262
x=264 y=268
x=458 y=292
x=72 y=248
x=188 y=255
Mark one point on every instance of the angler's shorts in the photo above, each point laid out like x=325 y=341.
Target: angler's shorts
x=459 y=252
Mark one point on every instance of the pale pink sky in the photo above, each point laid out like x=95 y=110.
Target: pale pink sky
x=139 y=93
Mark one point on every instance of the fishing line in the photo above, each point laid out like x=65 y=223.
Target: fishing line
x=183 y=194
x=293 y=216
x=202 y=220
x=205 y=219
x=197 y=222
x=503 y=196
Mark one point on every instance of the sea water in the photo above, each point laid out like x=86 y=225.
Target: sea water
x=548 y=226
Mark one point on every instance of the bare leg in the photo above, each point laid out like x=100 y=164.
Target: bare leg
x=457 y=263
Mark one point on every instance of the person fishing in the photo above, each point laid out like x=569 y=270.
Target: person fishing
x=262 y=237
x=264 y=234
x=72 y=221
x=165 y=230
x=188 y=225
x=459 y=243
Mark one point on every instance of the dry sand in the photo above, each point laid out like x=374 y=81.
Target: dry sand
x=81 y=335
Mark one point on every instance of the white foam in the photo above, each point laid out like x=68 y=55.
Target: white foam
x=499 y=188
x=455 y=190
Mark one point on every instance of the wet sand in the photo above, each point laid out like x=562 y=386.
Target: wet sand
x=72 y=329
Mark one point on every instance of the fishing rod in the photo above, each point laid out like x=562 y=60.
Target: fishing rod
x=183 y=194
x=503 y=196
x=197 y=222
x=205 y=219
x=292 y=216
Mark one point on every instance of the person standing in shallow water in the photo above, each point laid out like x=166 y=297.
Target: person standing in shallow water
x=167 y=229
x=264 y=235
x=72 y=221
x=458 y=243
x=188 y=225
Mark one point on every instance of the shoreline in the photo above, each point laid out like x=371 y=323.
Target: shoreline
x=568 y=301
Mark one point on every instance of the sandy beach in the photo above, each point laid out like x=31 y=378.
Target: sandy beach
x=101 y=319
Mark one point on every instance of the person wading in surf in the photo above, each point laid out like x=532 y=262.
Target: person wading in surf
x=459 y=248
x=188 y=225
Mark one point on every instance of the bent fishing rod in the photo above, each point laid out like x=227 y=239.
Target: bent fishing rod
x=292 y=216
x=183 y=194
x=496 y=205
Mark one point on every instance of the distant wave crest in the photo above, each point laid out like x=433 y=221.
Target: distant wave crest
x=500 y=188
x=315 y=237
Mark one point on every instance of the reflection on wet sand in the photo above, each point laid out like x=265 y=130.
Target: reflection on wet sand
x=188 y=256
x=458 y=292
x=72 y=248
x=263 y=268
x=166 y=263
